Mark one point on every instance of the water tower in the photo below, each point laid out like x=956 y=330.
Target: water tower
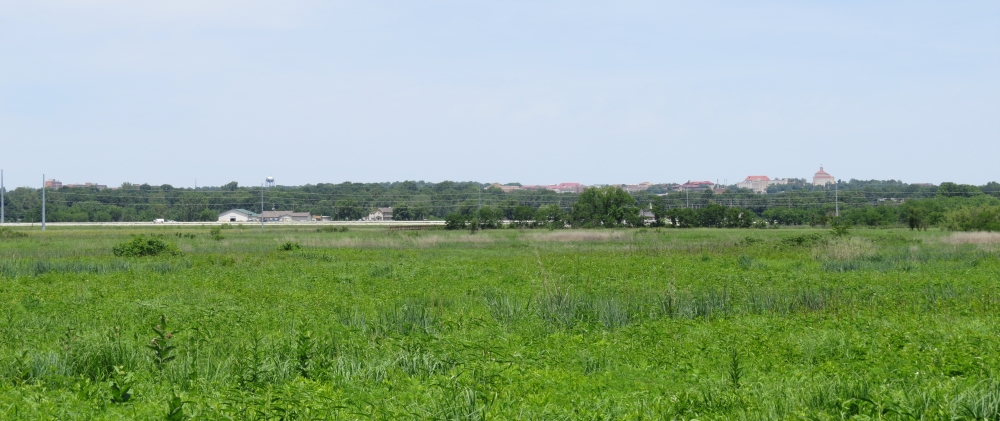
x=270 y=181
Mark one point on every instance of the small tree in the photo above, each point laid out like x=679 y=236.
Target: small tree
x=840 y=227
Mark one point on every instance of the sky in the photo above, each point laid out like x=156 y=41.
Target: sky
x=537 y=92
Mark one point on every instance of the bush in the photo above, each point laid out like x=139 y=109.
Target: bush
x=9 y=233
x=978 y=218
x=329 y=228
x=289 y=246
x=455 y=221
x=216 y=233
x=141 y=246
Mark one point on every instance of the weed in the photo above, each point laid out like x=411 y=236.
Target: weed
x=121 y=386
x=175 y=408
x=735 y=369
x=161 y=345
x=289 y=246
x=216 y=233
x=330 y=228
x=304 y=353
x=7 y=233
x=840 y=228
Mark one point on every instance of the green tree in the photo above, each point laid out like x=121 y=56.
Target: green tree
x=208 y=215
x=712 y=215
x=682 y=217
x=402 y=212
x=490 y=217
x=606 y=207
x=550 y=216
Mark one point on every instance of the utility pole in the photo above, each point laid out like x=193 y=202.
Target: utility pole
x=261 y=205
x=43 y=202
x=1 y=197
x=836 y=197
x=687 y=199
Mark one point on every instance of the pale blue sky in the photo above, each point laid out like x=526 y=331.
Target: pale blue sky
x=531 y=91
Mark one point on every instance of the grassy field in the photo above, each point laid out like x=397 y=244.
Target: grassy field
x=507 y=324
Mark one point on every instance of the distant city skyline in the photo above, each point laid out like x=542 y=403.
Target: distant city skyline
x=534 y=92
x=561 y=185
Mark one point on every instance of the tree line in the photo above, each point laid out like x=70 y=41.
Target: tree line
x=861 y=203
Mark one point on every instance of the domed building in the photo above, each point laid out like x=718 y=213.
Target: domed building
x=822 y=178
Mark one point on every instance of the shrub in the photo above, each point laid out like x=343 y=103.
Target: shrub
x=9 y=233
x=289 y=246
x=455 y=221
x=329 y=228
x=141 y=246
x=978 y=218
x=216 y=233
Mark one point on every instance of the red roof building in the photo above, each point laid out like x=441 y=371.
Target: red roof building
x=695 y=185
x=821 y=178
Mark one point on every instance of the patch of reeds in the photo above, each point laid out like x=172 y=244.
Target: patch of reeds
x=29 y=268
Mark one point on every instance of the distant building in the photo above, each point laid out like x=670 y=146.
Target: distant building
x=634 y=188
x=822 y=178
x=647 y=217
x=380 y=214
x=286 y=216
x=760 y=183
x=87 y=185
x=53 y=184
x=559 y=188
x=695 y=186
x=238 y=215
x=506 y=189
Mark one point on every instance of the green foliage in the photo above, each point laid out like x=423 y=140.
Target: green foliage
x=735 y=369
x=142 y=246
x=456 y=221
x=289 y=246
x=121 y=385
x=208 y=215
x=707 y=324
x=840 y=227
x=604 y=207
x=162 y=344
x=977 y=218
x=331 y=228
x=175 y=408
x=7 y=233
x=216 y=233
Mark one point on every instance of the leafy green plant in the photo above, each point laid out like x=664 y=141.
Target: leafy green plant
x=121 y=385
x=141 y=246
x=175 y=408
x=216 y=233
x=735 y=369
x=304 y=353
x=289 y=246
x=161 y=345
x=840 y=228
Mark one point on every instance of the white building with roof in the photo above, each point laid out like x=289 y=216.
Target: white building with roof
x=760 y=183
x=238 y=215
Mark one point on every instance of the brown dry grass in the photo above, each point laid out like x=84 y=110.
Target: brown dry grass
x=576 y=236
x=423 y=241
x=972 y=238
x=845 y=249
